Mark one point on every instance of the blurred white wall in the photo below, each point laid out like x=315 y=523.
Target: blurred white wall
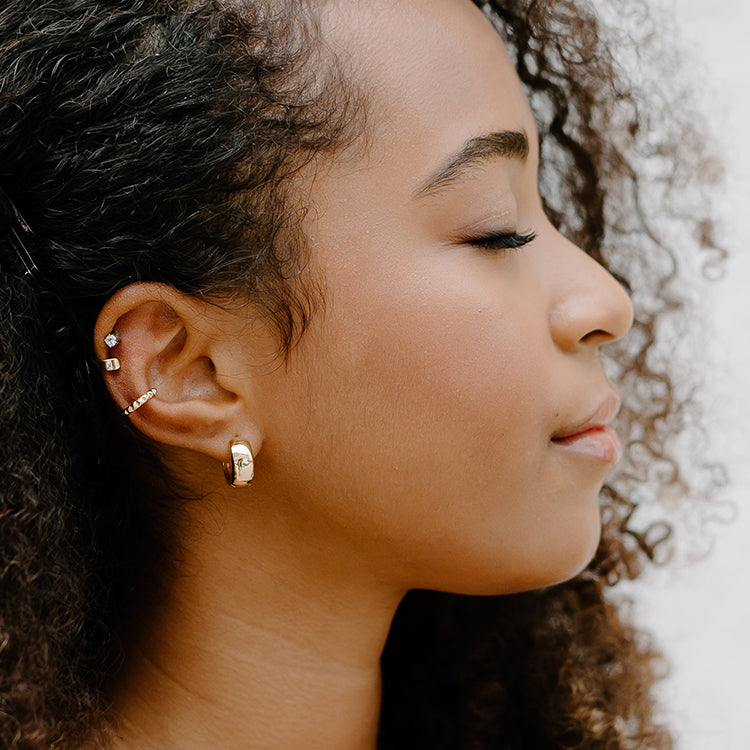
x=700 y=613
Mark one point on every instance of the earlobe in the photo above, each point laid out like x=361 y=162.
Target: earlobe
x=167 y=345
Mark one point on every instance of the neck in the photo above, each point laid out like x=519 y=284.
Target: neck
x=257 y=647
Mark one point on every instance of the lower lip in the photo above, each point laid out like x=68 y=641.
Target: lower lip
x=599 y=442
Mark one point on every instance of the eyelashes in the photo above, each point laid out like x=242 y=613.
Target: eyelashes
x=498 y=241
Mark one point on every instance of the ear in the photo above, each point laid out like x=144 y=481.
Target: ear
x=184 y=348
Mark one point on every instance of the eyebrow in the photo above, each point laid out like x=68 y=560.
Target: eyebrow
x=506 y=144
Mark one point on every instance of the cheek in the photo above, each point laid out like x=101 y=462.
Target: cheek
x=459 y=347
x=424 y=388
x=449 y=375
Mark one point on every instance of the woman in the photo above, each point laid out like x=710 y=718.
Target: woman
x=305 y=242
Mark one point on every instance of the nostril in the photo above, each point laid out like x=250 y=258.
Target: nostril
x=598 y=336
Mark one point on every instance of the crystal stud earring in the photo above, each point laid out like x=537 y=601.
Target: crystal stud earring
x=112 y=339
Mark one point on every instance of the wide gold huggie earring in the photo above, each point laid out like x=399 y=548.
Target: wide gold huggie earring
x=239 y=470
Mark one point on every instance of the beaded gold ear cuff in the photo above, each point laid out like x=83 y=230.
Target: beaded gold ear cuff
x=139 y=402
x=239 y=470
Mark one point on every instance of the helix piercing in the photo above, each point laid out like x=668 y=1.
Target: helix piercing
x=112 y=339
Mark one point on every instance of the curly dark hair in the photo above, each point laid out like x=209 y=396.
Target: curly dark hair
x=159 y=140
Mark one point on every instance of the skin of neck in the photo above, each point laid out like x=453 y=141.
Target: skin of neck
x=269 y=636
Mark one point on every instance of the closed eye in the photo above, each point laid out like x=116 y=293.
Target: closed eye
x=497 y=241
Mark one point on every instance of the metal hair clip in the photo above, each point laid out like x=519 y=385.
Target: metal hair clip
x=20 y=230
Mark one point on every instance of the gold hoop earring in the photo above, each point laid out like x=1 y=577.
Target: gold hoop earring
x=239 y=470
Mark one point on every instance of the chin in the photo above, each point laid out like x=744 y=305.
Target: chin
x=555 y=564
x=575 y=557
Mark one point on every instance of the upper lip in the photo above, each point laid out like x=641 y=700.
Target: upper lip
x=599 y=417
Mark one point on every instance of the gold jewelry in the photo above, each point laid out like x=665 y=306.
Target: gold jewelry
x=239 y=470
x=138 y=403
x=110 y=365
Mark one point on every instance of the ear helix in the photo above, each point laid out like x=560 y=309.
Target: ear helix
x=239 y=470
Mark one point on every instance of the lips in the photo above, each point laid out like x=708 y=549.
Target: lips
x=592 y=436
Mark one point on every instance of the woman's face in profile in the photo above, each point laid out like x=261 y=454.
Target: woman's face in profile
x=443 y=415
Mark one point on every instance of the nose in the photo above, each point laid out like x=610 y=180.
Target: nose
x=589 y=307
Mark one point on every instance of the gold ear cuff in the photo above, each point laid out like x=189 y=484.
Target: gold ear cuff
x=110 y=365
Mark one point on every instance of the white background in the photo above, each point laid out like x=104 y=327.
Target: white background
x=700 y=613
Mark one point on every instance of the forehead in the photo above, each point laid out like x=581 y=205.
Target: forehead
x=427 y=68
